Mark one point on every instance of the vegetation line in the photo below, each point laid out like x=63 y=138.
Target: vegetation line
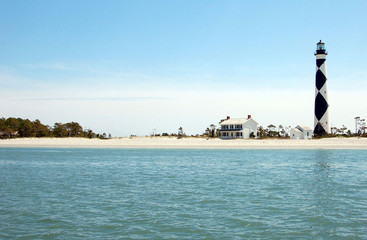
x=18 y=127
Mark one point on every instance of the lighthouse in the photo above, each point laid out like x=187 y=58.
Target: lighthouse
x=322 y=121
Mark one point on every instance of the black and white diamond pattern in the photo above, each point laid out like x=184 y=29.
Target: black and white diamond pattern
x=322 y=124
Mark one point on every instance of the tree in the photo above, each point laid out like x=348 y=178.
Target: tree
x=59 y=130
x=6 y=132
x=252 y=135
x=261 y=132
x=3 y=126
x=74 y=129
x=271 y=132
x=281 y=131
x=217 y=132
x=212 y=130
x=334 y=130
x=357 y=121
x=349 y=133
x=12 y=123
x=343 y=129
x=180 y=132
x=89 y=133
x=207 y=132
x=363 y=127
x=10 y=127
x=27 y=129
x=41 y=130
x=360 y=126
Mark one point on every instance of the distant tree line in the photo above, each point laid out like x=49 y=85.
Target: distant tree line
x=272 y=131
x=281 y=131
x=179 y=135
x=18 y=127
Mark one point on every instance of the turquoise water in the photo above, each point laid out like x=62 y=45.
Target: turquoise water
x=182 y=194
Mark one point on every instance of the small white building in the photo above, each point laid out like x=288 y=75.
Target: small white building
x=301 y=132
x=238 y=128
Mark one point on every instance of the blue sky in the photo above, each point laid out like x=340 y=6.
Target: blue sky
x=133 y=67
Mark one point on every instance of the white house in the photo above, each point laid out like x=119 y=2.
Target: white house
x=237 y=128
x=301 y=132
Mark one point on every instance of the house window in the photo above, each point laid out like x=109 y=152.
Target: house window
x=308 y=134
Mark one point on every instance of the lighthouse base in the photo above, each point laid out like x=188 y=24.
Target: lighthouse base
x=319 y=130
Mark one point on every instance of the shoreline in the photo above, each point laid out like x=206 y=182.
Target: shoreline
x=185 y=143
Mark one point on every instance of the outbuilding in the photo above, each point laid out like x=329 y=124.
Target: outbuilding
x=301 y=132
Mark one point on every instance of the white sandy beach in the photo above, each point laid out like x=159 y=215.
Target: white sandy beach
x=171 y=142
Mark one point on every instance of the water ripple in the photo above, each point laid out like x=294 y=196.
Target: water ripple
x=182 y=194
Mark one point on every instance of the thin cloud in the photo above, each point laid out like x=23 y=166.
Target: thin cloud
x=118 y=99
x=48 y=66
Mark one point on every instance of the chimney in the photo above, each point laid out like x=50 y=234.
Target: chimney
x=248 y=116
x=228 y=117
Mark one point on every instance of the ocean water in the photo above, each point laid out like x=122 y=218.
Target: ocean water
x=182 y=194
